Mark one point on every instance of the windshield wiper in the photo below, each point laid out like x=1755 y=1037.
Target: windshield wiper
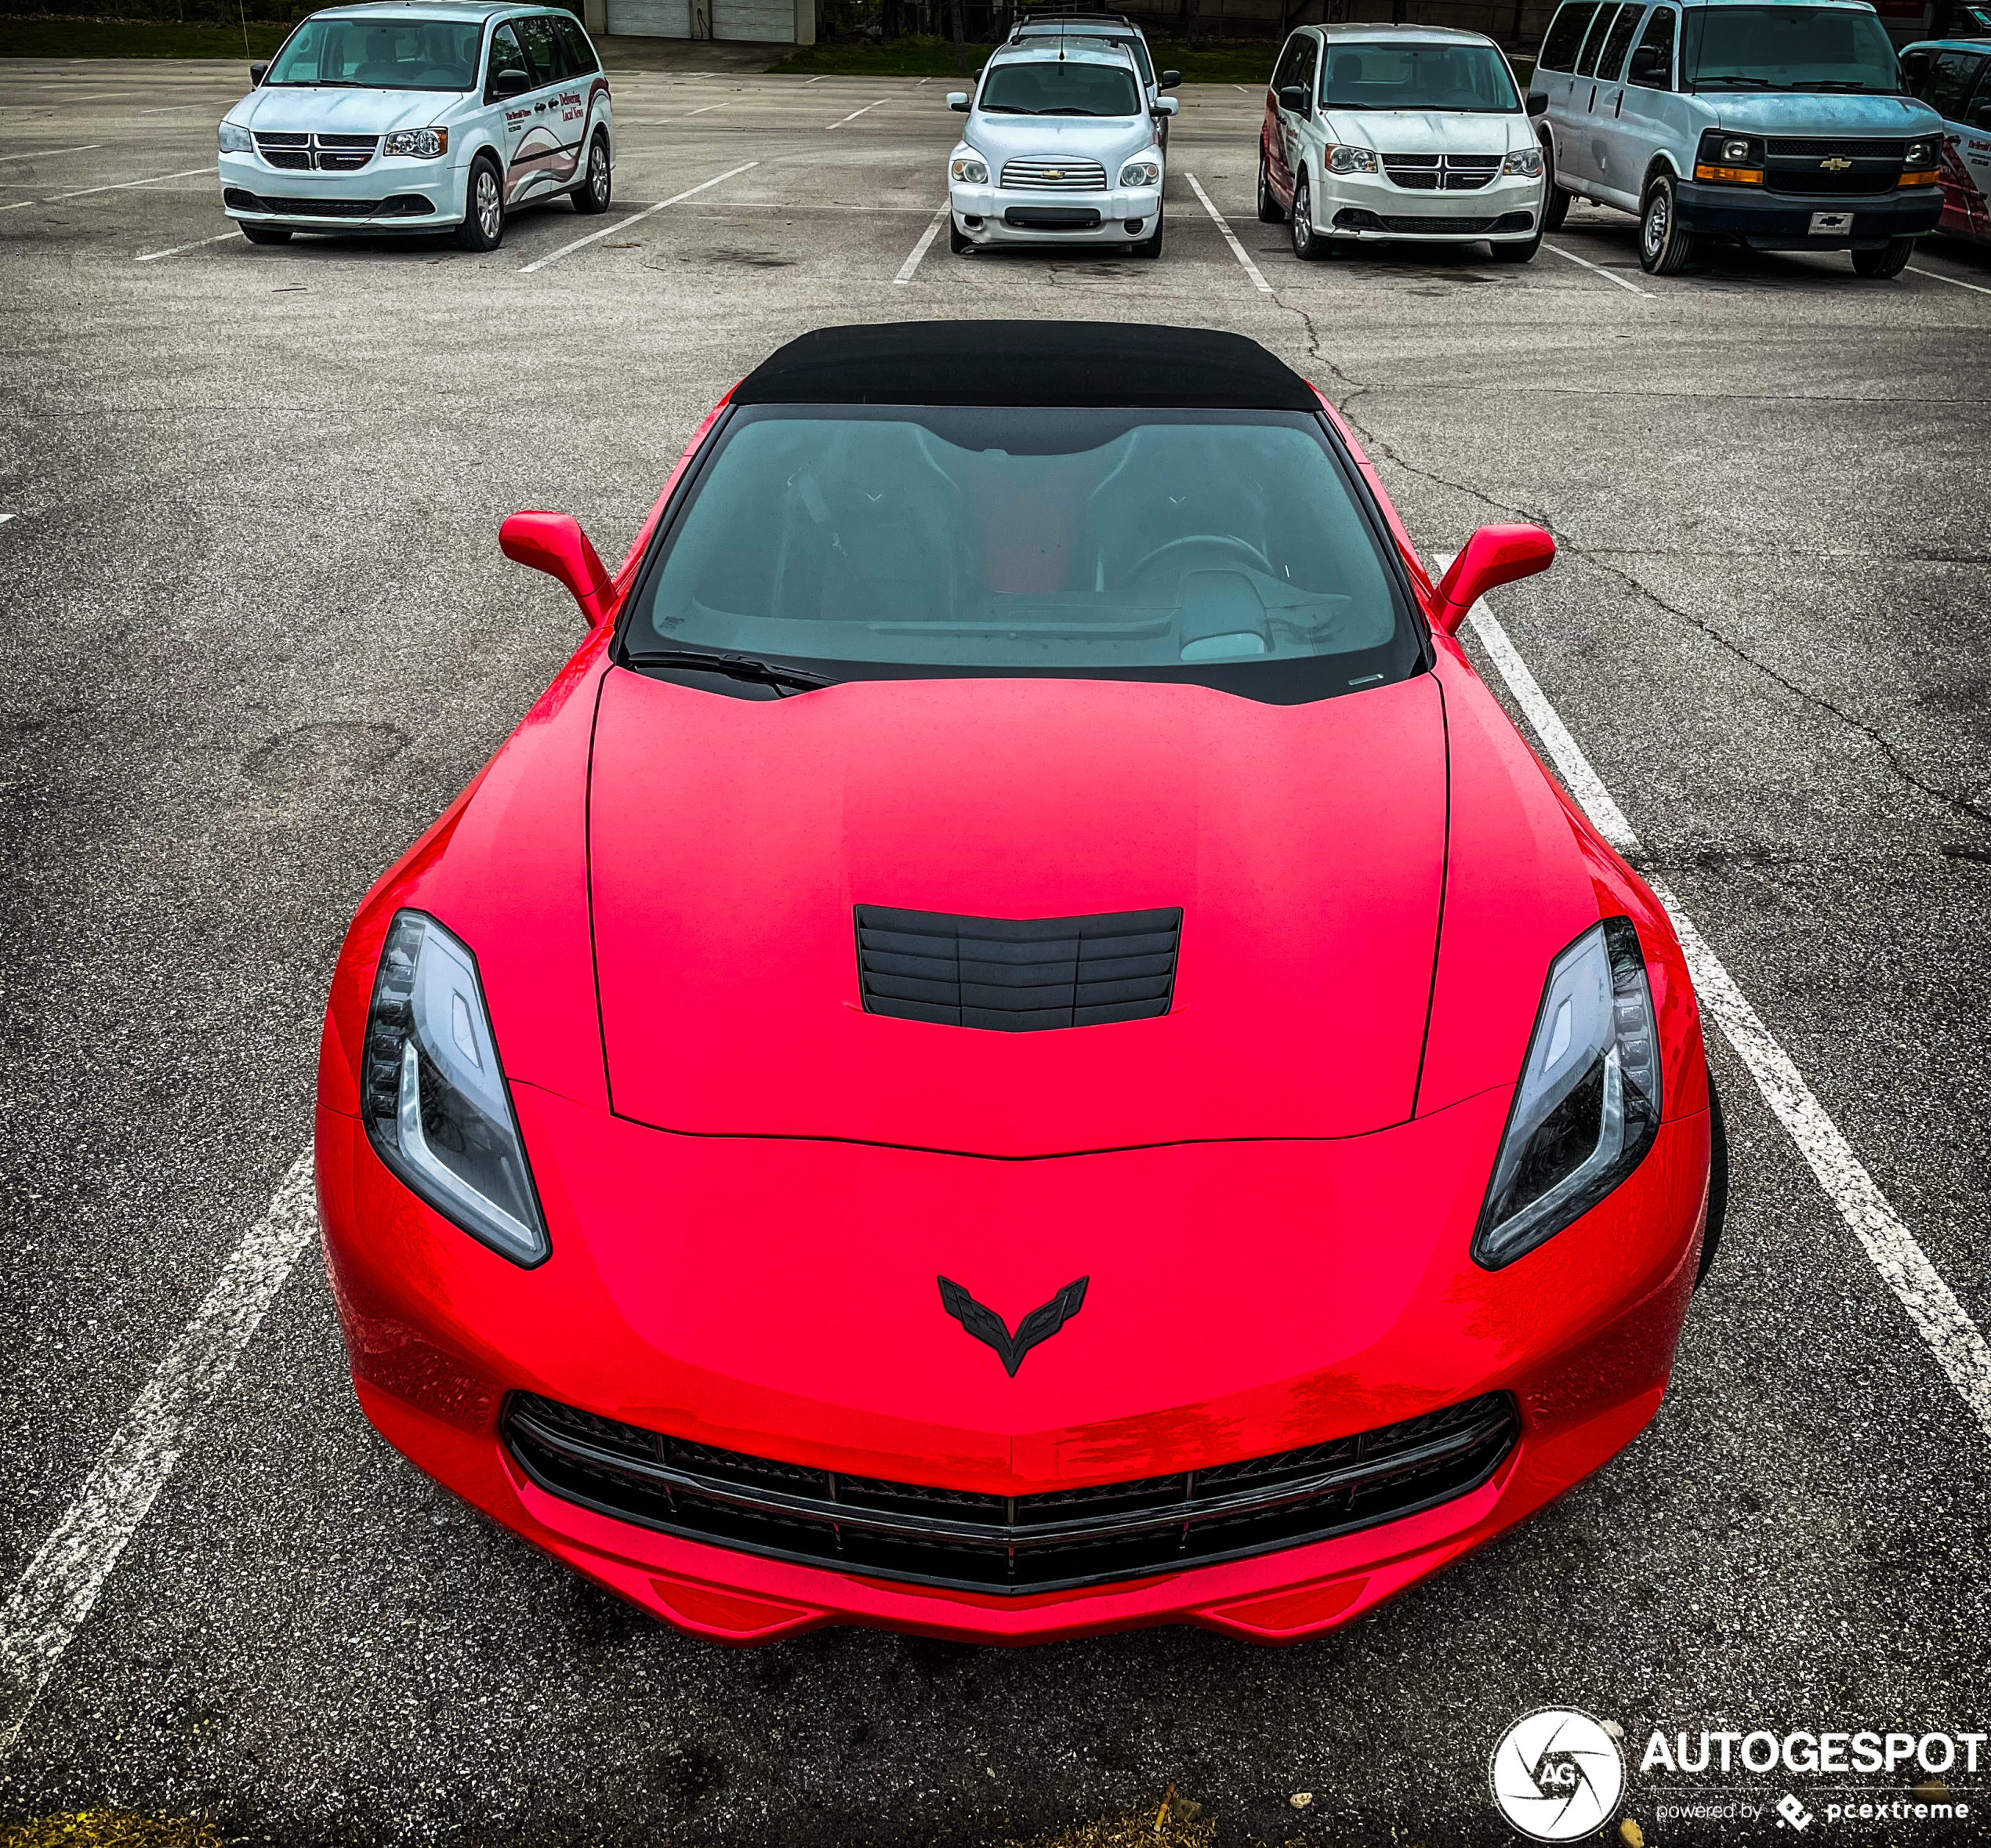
x=1733 y=82
x=734 y=667
x=1850 y=84
x=1005 y=109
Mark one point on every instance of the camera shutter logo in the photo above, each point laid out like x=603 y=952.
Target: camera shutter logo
x=1557 y=1774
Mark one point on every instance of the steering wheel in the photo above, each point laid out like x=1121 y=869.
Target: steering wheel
x=1224 y=542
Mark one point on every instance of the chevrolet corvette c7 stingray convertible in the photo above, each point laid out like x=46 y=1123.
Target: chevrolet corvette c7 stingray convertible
x=1018 y=1046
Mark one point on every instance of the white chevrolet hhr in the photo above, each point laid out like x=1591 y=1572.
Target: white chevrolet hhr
x=441 y=114
x=1062 y=147
x=1380 y=133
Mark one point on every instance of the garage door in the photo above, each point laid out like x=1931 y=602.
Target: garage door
x=651 y=19
x=771 y=21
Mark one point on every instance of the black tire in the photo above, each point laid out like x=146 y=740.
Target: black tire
x=1555 y=201
x=597 y=185
x=1665 y=247
x=483 y=227
x=1889 y=260
x=1717 y=1183
x=266 y=233
x=1307 y=244
x=1151 y=245
x=1161 y=133
x=958 y=240
x=1270 y=211
x=1516 y=253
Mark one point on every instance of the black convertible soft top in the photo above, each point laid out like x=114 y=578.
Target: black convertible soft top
x=1081 y=364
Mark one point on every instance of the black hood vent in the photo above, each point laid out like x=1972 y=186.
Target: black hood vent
x=1017 y=975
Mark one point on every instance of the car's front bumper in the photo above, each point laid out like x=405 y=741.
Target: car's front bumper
x=1776 y=221
x=1372 y=208
x=388 y=194
x=991 y=214
x=745 y=1313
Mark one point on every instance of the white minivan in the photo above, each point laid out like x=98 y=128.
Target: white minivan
x=437 y=115
x=1374 y=134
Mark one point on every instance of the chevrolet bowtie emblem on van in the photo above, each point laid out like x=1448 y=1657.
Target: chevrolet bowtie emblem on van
x=1838 y=164
x=1054 y=172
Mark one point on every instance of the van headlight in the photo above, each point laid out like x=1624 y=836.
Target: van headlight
x=1526 y=161
x=970 y=172
x=234 y=138
x=1352 y=160
x=438 y=1111
x=1587 y=1106
x=423 y=144
x=1141 y=173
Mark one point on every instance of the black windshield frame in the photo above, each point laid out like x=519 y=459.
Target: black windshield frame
x=1279 y=680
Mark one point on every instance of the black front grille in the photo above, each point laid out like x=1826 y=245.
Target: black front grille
x=1353 y=218
x=400 y=206
x=1812 y=183
x=1851 y=150
x=971 y=1542
x=328 y=154
x=1016 y=975
x=1430 y=173
x=1053 y=217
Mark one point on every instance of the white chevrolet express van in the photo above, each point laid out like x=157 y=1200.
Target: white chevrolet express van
x=444 y=115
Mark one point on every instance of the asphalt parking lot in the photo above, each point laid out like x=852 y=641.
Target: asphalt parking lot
x=260 y=632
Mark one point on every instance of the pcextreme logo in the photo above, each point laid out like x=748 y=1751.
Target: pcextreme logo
x=1557 y=1774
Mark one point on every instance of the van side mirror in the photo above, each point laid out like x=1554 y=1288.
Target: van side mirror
x=1170 y=79
x=1538 y=103
x=1647 y=62
x=511 y=83
x=554 y=543
x=1165 y=106
x=957 y=100
x=1494 y=555
x=1293 y=96
x=257 y=73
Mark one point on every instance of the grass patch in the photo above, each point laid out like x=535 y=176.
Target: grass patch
x=111 y=1828
x=1247 y=61
x=135 y=38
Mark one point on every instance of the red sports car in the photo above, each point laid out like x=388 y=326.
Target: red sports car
x=1017 y=1047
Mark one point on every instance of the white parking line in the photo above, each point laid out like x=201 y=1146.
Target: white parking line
x=123 y=185
x=1943 y=1321
x=855 y=113
x=925 y=239
x=1608 y=276
x=622 y=224
x=153 y=256
x=18 y=204
x=1230 y=237
x=48 y=153
x=1955 y=282
x=56 y=1591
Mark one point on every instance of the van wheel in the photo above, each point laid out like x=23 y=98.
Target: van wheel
x=1305 y=245
x=483 y=227
x=598 y=185
x=266 y=233
x=1270 y=211
x=1505 y=252
x=1555 y=201
x=958 y=240
x=1665 y=247
x=1890 y=259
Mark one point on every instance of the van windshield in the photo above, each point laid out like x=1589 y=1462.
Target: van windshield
x=380 y=54
x=1474 y=78
x=1834 y=49
x=1052 y=86
x=1150 y=545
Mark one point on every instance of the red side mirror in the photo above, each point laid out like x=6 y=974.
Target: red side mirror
x=1494 y=555
x=554 y=543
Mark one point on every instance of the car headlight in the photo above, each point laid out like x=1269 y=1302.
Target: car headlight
x=1587 y=1106
x=424 y=144
x=970 y=172
x=1141 y=173
x=1527 y=161
x=234 y=137
x=1352 y=160
x=437 y=1106
x=1924 y=153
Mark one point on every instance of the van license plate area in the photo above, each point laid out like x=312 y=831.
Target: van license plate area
x=1832 y=224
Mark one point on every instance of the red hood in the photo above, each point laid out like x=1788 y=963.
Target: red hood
x=730 y=840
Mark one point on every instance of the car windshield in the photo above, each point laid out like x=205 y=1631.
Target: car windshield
x=1788 y=48
x=1135 y=48
x=1471 y=77
x=1052 y=86
x=1223 y=546
x=380 y=54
